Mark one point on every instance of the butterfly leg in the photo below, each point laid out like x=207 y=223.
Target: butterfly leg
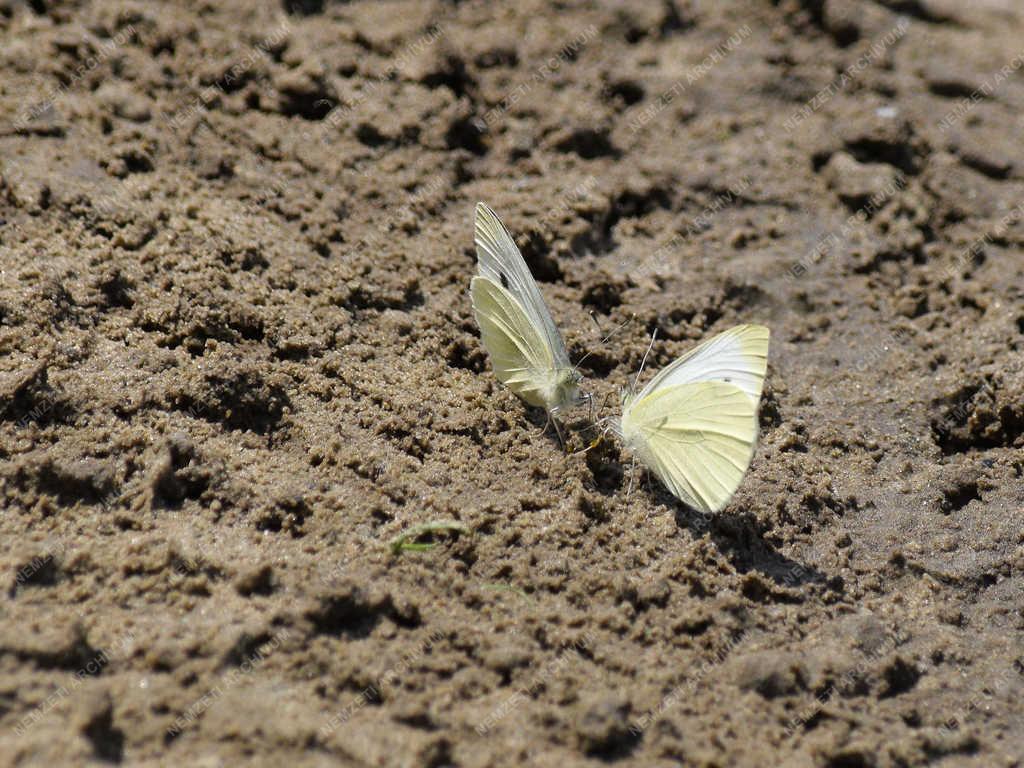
x=553 y=419
x=546 y=425
x=632 y=467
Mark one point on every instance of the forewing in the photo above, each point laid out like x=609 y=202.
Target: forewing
x=698 y=438
x=499 y=260
x=520 y=357
x=738 y=356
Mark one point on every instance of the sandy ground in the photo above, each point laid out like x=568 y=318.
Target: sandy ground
x=238 y=357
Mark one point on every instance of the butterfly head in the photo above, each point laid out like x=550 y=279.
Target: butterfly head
x=566 y=390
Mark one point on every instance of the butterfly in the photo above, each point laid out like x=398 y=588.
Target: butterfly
x=695 y=423
x=526 y=350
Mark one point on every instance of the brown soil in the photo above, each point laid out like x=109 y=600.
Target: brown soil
x=238 y=357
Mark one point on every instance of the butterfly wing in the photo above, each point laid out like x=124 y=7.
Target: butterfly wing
x=738 y=356
x=499 y=260
x=698 y=438
x=521 y=357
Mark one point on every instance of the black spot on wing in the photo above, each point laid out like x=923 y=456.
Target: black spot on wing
x=504 y=280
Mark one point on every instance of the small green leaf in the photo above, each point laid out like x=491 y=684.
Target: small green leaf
x=406 y=540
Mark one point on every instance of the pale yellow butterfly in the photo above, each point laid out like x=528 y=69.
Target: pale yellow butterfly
x=695 y=423
x=527 y=351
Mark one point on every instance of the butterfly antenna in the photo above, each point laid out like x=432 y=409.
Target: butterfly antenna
x=607 y=338
x=619 y=327
x=636 y=381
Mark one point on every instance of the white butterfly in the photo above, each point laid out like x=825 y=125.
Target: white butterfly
x=695 y=423
x=526 y=349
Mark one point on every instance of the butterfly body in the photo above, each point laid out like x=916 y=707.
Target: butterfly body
x=527 y=352
x=695 y=423
x=522 y=361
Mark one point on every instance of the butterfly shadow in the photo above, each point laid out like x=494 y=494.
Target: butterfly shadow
x=737 y=536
